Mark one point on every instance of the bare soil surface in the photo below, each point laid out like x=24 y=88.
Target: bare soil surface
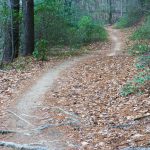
x=77 y=105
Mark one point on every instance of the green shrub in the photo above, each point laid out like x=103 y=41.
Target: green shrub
x=74 y=38
x=141 y=82
x=85 y=32
x=85 y=28
x=130 y=19
x=61 y=26
x=139 y=49
x=51 y=22
x=142 y=32
x=99 y=33
x=63 y=31
x=143 y=62
x=89 y=31
x=122 y=23
x=128 y=89
x=137 y=84
x=141 y=78
x=41 y=51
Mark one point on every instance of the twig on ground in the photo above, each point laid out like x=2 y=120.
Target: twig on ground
x=131 y=124
x=20 y=118
x=141 y=117
x=73 y=123
x=21 y=146
x=66 y=112
x=43 y=127
x=124 y=126
x=60 y=109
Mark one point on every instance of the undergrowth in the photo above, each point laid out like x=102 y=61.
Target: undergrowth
x=74 y=36
x=139 y=84
x=63 y=52
x=20 y=64
x=130 y=19
x=143 y=32
x=60 y=34
x=141 y=49
x=61 y=26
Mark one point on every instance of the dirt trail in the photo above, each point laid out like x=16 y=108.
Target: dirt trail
x=23 y=112
x=116 y=41
x=32 y=98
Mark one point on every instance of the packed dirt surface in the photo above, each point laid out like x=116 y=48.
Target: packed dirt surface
x=77 y=105
x=116 y=42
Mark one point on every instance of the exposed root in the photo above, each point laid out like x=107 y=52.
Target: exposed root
x=142 y=117
x=124 y=126
x=6 y=132
x=73 y=123
x=20 y=118
x=66 y=112
x=21 y=146
x=43 y=127
x=59 y=109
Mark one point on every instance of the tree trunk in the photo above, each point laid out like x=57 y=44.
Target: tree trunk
x=68 y=5
x=11 y=49
x=110 y=12
x=28 y=27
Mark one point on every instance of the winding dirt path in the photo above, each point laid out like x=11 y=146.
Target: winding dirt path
x=32 y=98
x=116 y=42
x=23 y=116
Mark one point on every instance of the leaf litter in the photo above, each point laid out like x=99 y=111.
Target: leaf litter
x=91 y=91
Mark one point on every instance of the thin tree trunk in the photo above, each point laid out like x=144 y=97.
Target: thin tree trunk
x=110 y=13
x=121 y=8
x=11 y=49
x=28 y=27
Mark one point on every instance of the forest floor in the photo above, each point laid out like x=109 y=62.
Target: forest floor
x=75 y=104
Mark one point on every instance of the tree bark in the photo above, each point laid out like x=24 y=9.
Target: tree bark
x=67 y=5
x=28 y=27
x=11 y=49
x=110 y=12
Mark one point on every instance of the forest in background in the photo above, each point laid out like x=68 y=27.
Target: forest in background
x=44 y=28
x=37 y=27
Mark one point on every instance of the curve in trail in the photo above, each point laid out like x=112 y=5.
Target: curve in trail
x=32 y=98
x=116 y=43
x=29 y=102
